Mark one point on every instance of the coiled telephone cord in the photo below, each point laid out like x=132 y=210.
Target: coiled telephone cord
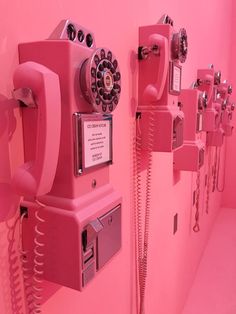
x=33 y=283
x=14 y=270
x=221 y=189
x=25 y=267
x=196 y=227
x=142 y=230
x=214 y=174
x=208 y=180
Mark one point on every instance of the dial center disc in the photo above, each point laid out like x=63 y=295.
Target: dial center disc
x=108 y=81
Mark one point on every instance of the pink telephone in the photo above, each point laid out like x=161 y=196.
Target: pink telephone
x=227 y=116
x=38 y=89
x=225 y=107
x=81 y=202
x=206 y=81
x=161 y=50
x=193 y=104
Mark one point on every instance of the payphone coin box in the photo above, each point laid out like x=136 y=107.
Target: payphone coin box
x=215 y=138
x=190 y=156
x=161 y=50
x=168 y=126
x=83 y=211
x=80 y=237
x=206 y=83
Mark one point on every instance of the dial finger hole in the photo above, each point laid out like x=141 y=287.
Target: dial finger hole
x=104 y=108
x=93 y=72
x=101 y=67
x=99 y=75
x=98 y=101
x=108 y=65
x=104 y=64
x=117 y=87
x=115 y=64
x=115 y=100
x=113 y=92
x=109 y=55
x=99 y=83
x=102 y=54
x=117 y=76
x=110 y=107
x=105 y=96
x=101 y=91
x=112 y=70
x=96 y=59
x=109 y=97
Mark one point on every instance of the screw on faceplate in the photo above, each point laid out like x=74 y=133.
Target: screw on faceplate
x=94 y=183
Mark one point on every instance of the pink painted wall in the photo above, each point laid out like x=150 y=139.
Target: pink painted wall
x=173 y=259
x=229 y=197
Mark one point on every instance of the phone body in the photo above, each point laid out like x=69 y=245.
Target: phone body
x=161 y=51
x=81 y=209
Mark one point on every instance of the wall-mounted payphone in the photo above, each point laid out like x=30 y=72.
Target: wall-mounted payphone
x=159 y=118
x=226 y=120
x=193 y=103
x=75 y=222
x=161 y=51
x=225 y=107
x=207 y=79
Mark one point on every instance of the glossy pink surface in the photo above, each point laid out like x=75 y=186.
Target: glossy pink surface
x=173 y=258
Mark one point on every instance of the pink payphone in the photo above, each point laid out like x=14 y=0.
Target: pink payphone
x=224 y=91
x=227 y=116
x=72 y=214
x=193 y=103
x=159 y=121
x=221 y=95
x=161 y=51
x=206 y=81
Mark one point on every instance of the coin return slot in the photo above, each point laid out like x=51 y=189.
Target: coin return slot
x=88 y=255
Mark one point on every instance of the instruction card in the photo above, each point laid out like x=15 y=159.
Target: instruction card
x=97 y=142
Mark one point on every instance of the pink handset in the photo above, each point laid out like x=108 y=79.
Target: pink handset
x=35 y=177
x=153 y=92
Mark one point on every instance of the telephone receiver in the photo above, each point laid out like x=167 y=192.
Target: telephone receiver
x=38 y=88
x=151 y=92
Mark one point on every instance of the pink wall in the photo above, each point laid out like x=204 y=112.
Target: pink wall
x=173 y=259
x=229 y=198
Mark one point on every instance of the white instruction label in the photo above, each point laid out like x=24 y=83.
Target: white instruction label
x=97 y=142
x=176 y=79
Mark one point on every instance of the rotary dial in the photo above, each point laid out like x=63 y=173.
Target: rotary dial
x=101 y=80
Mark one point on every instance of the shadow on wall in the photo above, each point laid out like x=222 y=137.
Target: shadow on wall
x=8 y=199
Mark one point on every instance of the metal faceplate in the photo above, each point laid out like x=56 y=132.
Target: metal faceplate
x=100 y=80
x=92 y=141
x=109 y=238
